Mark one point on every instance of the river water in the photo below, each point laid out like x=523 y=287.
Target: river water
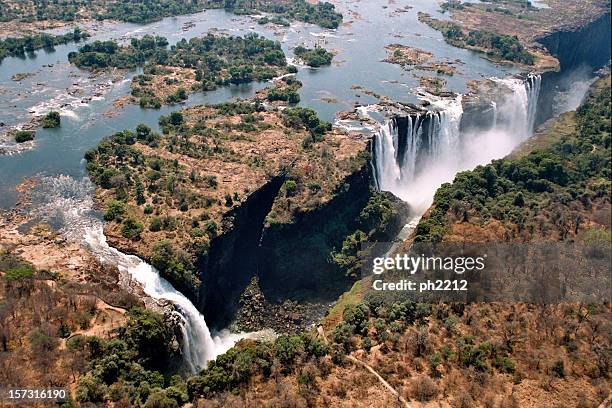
x=85 y=102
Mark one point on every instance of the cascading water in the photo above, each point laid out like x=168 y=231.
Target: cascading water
x=519 y=110
x=414 y=155
x=67 y=203
x=198 y=346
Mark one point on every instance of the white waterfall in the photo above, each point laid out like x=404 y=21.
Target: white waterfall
x=519 y=108
x=67 y=203
x=435 y=149
x=198 y=346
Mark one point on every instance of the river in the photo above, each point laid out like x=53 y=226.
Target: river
x=85 y=102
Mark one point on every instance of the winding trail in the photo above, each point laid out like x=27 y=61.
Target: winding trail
x=355 y=360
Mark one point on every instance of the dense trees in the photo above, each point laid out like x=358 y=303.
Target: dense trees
x=123 y=10
x=216 y=60
x=547 y=190
x=15 y=47
x=103 y=54
x=298 y=118
x=125 y=368
x=322 y=13
x=286 y=91
x=143 y=12
x=314 y=57
x=497 y=46
x=148 y=11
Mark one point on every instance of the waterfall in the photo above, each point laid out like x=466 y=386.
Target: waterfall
x=66 y=203
x=518 y=110
x=414 y=155
x=533 y=85
x=198 y=346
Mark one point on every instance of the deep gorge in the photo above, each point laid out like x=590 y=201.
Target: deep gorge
x=291 y=260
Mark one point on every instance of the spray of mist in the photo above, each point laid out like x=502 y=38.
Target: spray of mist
x=435 y=149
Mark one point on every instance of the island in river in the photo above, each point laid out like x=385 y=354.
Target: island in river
x=259 y=211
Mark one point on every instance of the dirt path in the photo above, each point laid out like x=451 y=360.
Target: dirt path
x=321 y=333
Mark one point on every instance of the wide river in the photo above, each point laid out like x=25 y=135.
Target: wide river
x=85 y=101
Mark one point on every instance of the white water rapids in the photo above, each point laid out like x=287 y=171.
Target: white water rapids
x=435 y=150
x=67 y=202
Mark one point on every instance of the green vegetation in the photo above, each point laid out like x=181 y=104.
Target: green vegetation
x=176 y=265
x=496 y=46
x=125 y=368
x=14 y=268
x=288 y=92
x=214 y=60
x=314 y=57
x=122 y=10
x=552 y=189
x=22 y=136
x=322 y=14
x=104 y=54
x=149 y=11
x=223 y=60
x=299 y=118
x=373 y=218
x=18 y=47
x=274 y=20
x=51 y=120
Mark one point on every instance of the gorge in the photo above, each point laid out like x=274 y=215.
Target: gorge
x=247 y=194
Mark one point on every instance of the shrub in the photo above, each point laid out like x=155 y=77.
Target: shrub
x=90 y=389
x=287 y=349
x=366 y=344
x=115 y=210
x=159 y=399
x=424 y=389
x=357 y=316
x=559 y=369
x=23 y=136
x=19 y=273
x=155 y=224
x=290 y=188
x=51 y=120
x=131 y=229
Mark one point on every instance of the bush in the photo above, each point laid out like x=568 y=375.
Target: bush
x=147 y=334
x=559 y=369
x=290 y=188
x=90 y=389
x=159 y=399
x=131 y=229
x=357 y=316
x=287 y=349
x=51 y=120
x=23 y=136
x=155 y=224
x=19 y=273
x=115 y=210
x=424 y=389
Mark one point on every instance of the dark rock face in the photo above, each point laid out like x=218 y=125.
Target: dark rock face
x=232 y=259
x=256 y=313
x=587 y=46
x=289 y=260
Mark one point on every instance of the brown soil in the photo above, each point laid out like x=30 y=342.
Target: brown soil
x=530 y=24
x=245 y=161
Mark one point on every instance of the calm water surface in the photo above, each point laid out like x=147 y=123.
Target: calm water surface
x=85 y=101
